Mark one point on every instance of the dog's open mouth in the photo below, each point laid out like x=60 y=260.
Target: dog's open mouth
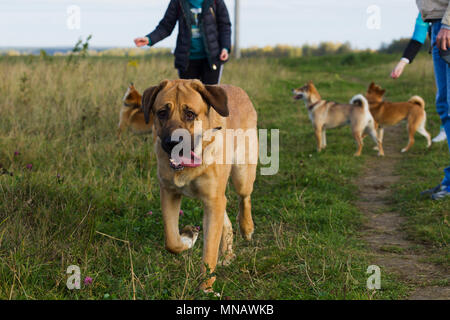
x=298 y=96
x=183 y=162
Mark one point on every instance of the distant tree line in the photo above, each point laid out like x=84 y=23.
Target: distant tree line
x=307 y=50
x=278 y=51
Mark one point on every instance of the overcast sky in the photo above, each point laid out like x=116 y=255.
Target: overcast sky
x=114 y=23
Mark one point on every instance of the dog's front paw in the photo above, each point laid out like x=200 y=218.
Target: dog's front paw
x=212 y=292
x=246 y=230
x=189 y=235
x=227 y=259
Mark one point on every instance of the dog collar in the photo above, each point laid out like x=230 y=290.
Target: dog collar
x=313 y=105
x=376 y=104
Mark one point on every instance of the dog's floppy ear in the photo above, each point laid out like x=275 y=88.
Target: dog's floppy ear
x=149 y=97
x=215 y=97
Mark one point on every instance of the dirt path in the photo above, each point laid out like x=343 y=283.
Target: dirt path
x=392 y=251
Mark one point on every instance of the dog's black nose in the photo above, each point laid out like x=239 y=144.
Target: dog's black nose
x=168 y=144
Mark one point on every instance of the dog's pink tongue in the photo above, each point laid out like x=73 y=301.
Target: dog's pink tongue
x=193 y=162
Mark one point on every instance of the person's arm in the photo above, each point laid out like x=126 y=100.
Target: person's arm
x=166 y=25
x=164 y=28
x=411 y=50
x=413 y=47
x=418 y=39
x=224 y=27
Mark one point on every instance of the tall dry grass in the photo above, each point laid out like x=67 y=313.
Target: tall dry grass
x=65 y=177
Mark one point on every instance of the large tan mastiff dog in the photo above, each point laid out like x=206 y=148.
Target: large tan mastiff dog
x=181 y=104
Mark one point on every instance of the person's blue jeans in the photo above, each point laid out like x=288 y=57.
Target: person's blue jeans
x=442 y=75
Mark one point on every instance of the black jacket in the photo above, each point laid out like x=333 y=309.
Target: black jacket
x=215 y=27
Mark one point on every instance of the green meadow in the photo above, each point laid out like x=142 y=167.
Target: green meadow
x=72 y=193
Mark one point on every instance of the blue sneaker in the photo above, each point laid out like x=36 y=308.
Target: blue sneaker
x=438 y=188
x=443 y=193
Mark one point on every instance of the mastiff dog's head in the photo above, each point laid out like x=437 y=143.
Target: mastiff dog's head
x=180 y=104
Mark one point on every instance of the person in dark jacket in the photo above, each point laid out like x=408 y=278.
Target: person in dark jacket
x=204 y=37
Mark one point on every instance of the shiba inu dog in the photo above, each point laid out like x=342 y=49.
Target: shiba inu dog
x=181 y=105
x=131 y=114
x=328 y=115
x=390 y=113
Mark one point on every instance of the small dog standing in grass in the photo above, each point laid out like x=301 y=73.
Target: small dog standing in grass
x=131 y=114
x=390 y=113
x=328 y=115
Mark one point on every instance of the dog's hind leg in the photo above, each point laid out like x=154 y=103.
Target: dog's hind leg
x=412 y=128
x=358 y=137
x=424 y=132
x=243 y=177
x=226 y=243
x=175 y=242
x=375 y=138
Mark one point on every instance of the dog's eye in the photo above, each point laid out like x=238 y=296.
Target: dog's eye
x=190 y=115
x=162 y=114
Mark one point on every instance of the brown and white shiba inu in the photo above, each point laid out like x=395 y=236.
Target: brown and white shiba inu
x=328 y=115
x=388 y=114
x=131 y=114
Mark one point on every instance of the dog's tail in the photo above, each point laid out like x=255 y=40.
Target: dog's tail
x=360 y=100
x=417 y=100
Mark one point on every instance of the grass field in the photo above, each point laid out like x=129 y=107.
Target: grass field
x=72 y=181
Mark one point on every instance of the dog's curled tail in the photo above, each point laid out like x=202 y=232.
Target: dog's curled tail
x=417 y=100
x=360 y=100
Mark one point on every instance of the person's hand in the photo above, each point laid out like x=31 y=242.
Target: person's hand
x=398 y=70
x=140 y=42
x=443 y=39
x=224 y=55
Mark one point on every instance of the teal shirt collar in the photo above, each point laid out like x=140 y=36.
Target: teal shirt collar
x=196 y=3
